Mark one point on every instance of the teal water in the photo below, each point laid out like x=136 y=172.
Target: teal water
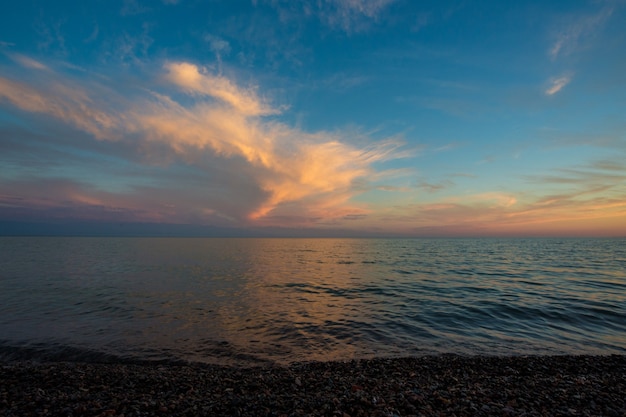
x=252 y=301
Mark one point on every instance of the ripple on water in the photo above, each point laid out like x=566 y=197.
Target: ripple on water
x=282 y=300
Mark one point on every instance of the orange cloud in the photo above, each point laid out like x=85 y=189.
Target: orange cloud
x=301 y=174
x=498 y=217
x=68 y=103
x=196 y=80
x=291 y=165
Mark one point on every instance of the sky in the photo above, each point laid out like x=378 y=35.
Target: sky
x=314 y=118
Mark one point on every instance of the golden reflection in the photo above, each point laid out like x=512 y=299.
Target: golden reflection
x=291 y=295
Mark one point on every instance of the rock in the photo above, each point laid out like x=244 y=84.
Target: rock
x=429 y=386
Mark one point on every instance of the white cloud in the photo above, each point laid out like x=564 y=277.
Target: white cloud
x=557 y=84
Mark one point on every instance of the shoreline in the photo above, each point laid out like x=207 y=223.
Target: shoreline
x=414 y=386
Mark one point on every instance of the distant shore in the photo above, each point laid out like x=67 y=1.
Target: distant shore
x=424 y=386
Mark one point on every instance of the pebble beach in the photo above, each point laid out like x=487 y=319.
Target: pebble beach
x=445 y=385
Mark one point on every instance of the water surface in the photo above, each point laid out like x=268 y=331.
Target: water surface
x=248 y=301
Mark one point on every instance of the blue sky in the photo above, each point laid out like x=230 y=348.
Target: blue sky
x=388 y=117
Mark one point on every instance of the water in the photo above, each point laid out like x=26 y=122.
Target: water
x=255 y=301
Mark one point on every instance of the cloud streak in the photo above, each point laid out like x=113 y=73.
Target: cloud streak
x=346 y=15
x=557 y=84
x=197 y=81
x=569 y=38
x=286 y=173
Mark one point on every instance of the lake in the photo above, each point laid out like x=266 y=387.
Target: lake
x=254 y=301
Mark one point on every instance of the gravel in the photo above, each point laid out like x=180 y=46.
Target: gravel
x=445 y=385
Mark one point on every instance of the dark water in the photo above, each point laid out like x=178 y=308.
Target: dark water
x=248 y=301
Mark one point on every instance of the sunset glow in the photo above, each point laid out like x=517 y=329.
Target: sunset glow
x=339 y=118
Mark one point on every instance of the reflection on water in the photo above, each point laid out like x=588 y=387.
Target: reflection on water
x=283 y=300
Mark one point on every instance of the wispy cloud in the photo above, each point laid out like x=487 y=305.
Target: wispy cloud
x=69 y=104
x=578 y=30
x=94 y=34
x=557 y=84
x=602 y=173
x=51 y=36
x=588 y=199
x=198 y=81
x=344 y=81
x=133 y=7
x=434 y=187
x=347 y=15
x=133 y=47
x=28 y=62
x=219 y=46
x=576 y=212
x=287 y=172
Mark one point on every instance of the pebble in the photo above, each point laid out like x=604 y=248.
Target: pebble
x=445 y=385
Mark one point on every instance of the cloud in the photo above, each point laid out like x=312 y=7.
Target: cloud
x=219 y=47
x=316 y=169
x=28 y=62
x=610 y=137
x=589 y=177
x=578 y=30
x=255 y=169
x=344 y=82
x=368 y=8
x=434 y=187
x=557 y=84
x=133 y=48
x=591 y=211
x=132 y=7
x=94 y=34
x=347 y=15
x=51 y=36
x=198 y=81
x=588 y=199
x=353 y=15
x=69 y=104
